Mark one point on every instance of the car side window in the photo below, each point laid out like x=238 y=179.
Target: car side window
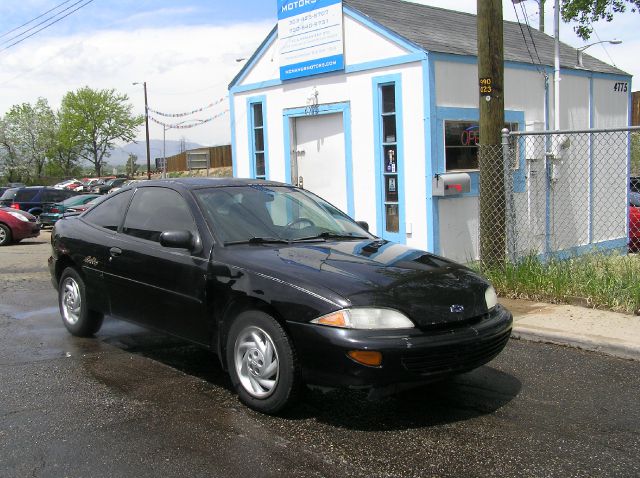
x=155 y=210
x=109 y=213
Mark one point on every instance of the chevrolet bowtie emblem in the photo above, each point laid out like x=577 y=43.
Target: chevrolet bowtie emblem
x=456 y=309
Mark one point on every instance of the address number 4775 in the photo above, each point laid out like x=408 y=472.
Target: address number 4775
x=621 y=86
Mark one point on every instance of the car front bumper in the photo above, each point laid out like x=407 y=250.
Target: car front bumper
x=24 y=230
x=408 y=356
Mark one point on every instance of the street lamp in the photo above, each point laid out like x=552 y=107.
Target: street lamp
x=583 y=48
x=146 y=123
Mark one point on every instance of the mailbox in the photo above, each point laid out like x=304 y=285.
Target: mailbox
x=451 y=184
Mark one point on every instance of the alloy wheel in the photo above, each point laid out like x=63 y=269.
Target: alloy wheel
x=71 y=301
x=256 y=362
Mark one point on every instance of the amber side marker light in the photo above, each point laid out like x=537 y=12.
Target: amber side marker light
x=366 y=357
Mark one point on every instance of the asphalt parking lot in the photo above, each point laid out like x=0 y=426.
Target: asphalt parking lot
x=134 y=403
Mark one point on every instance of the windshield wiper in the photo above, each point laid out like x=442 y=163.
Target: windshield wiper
x=258 y=240
x=331 y=235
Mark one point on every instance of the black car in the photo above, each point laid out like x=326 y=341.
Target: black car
x=283 y=286
x=104 y=188
x=33 y=199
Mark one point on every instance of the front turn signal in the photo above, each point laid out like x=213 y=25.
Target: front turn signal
x=366 y=357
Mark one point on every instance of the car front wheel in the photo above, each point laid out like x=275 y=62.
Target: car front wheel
x=262 y=363
x=5 y=235
x=72 y=299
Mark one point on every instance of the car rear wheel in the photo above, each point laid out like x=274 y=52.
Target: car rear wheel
x=5 y=235
x=262 y=363
x=72 y=299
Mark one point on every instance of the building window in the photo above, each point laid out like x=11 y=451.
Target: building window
x=390 y=157
x=257 y=141
x=461 y=140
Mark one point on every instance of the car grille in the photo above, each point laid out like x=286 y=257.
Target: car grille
x=456 y=357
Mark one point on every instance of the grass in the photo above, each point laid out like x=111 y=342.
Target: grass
x=604 y=281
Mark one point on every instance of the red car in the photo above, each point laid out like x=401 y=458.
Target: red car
x=16 y=225
x=634 y=222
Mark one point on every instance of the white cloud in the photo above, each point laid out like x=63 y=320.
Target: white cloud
x=184 y=67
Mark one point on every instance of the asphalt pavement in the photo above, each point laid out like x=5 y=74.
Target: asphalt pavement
x=134 y=403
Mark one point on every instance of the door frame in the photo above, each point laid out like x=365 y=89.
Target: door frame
x=289 y=116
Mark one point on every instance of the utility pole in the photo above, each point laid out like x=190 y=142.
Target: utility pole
x=556 y=67
x=541 y=24
x=491 y=92
x=146 y=124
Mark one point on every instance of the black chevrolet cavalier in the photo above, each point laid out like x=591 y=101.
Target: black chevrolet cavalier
x=284 y=287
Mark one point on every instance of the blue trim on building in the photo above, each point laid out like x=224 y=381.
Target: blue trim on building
x=612 y=245
x=234 y=148
x=395 y=61
x=262 y=99
x=345 y=109
x=473 y=60
x=429 y=92
x=377 y=82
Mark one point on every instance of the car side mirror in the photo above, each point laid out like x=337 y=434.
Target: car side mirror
x=178 y=240
x=364 y=225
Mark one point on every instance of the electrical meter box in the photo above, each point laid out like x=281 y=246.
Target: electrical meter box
x=451 y=184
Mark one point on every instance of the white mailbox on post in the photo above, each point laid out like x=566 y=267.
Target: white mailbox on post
x=451 y=184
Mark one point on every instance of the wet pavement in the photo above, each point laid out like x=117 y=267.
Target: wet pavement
x=135 y=403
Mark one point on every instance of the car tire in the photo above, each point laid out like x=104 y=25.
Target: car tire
x=5 y=235
x=79 y=320
x=262 y=363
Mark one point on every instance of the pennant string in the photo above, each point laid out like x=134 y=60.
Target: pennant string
x=180 y=115
x=194 y=122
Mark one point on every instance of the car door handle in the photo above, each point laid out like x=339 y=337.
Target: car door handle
x=115 y=251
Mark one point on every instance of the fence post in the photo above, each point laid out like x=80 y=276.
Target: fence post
x=508 y=196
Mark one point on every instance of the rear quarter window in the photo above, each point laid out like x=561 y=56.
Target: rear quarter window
x=110 y=212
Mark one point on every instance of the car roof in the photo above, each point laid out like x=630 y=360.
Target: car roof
x=198 y=183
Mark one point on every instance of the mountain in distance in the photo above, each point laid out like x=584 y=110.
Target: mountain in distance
x=120 y=154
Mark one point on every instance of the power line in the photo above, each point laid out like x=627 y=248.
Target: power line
x=526 y=19
x=47 y=26
x=524 y=37
x=41 y=23
x=603 y=46
x=34 y=19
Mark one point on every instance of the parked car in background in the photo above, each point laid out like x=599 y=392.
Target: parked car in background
x=112 y=183
x=65 y=183
x=16 y=225
x=34 y=198
x=126 y=183
x=83 y=207
x=284 y=287
x=634 y=221
x=53 y=212
x=7 y=196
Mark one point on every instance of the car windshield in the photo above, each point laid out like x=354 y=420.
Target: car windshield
x=258 y=213
x=74 y=200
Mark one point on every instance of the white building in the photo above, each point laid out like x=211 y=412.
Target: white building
x=400 y=108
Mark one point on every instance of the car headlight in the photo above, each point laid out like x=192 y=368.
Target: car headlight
x=490 y=297
x=366 y=318
x=17 y=215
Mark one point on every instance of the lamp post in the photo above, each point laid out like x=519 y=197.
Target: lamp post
x=583 y=48
x=146 y=124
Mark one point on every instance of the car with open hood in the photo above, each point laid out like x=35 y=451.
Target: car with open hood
x=284 y=287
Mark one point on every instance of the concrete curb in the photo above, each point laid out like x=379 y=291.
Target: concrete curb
x=620 y=349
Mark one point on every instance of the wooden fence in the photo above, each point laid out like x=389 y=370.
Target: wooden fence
x=219 y=156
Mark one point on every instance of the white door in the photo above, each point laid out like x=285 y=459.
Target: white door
x=320 y=157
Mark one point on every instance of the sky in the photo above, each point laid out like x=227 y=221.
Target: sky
x=187 y=52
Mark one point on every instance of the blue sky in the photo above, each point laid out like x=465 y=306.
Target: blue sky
x=186 y=51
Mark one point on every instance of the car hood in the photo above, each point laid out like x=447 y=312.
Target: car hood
x=429 y=289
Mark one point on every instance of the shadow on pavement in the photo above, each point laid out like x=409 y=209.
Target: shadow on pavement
x=463 y=397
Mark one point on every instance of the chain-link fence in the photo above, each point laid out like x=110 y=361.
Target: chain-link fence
x=559 y=194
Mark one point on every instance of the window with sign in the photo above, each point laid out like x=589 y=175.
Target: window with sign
x=461 y=140
x=390 y=155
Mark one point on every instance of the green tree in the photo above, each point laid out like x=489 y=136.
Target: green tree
x=97 y=119
x=132 y=165
x=28 y=135
x=587 y=12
